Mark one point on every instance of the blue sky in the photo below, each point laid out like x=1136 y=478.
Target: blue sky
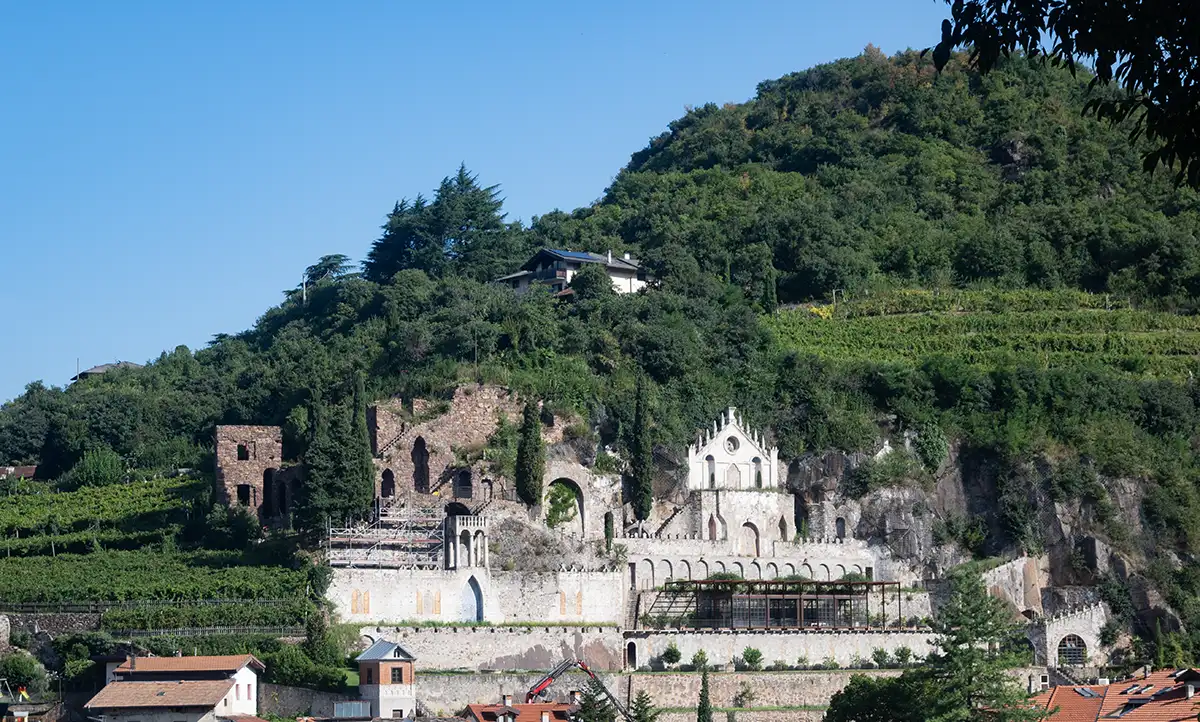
x=166 y=169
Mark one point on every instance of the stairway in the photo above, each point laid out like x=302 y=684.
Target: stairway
x=663 y=527
x=1060 y=677
x=631 y=611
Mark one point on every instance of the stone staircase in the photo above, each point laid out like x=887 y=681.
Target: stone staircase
x=663 y=527
x=631 y=611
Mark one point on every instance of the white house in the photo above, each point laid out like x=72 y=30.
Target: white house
x=555 y=268
x=731 y=456
x=386 y=680
x=180 y=689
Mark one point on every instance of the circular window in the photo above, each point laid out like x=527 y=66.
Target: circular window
x=731 y=444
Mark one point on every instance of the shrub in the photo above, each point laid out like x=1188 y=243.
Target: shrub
x=700 y=660
x=902 y=655
x=98 y=467
x=931 y=446
x=880 y=657
x=752 y=658
x=22 y=639
x=671 y=654
x=744 y=697
x=22 y=670
x=802 y=662
x=779 y=666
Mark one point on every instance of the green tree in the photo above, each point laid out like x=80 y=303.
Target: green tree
x=594 y=705
x=591 y=283
x=531 y=459
x=642 y=462
x=560 y=505
x=1148 y=48
x=361 y=469
x=671 y=654
x=98 y=467
x=704 y=710
x=327 y=268
x=642 y=709
x=21 y=669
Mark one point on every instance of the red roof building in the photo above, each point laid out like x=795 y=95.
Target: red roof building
x=1164 y=696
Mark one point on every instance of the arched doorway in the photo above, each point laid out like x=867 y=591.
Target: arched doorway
x=712 y=527
x=472 y=602
x=748 y=543
x=758 y=480
x=454 y=508
x=564 y=506
x=783 y=530
x=710 y=465
x=420 y=461
x=631 y=655
x=487 y=490
x=462 y=484
x=1072 y=652
x=388 y=488
x=840 y=528
x=270 y=500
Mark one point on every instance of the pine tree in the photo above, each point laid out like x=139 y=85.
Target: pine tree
x=643 y=457
x=594 y=705
x=321 y=462
x=704 y=711
x=642 y=709
x=531 y=460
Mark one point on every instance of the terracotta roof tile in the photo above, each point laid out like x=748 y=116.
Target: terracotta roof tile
x=193 y=693
x=524 y=712
x=223 y=663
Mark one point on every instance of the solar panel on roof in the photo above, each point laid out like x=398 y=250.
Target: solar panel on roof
x=1129 y=689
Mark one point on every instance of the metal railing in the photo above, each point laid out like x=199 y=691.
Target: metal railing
x=276 y=631
x=100 y=606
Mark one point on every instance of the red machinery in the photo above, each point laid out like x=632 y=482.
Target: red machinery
x=538 y=689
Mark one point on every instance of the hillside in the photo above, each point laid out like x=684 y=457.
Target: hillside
x=1007 y=282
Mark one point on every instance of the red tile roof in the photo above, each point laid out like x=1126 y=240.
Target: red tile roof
x=1164 y=699
x=223 y=663
x=193 y=693
x=523 y=712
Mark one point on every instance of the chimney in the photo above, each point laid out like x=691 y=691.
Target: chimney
x=1191 y=691
x=576 y=697
x=1032 y=687
x=545 y=716
x=507 y=700
x=133 y=661
x=610 y=256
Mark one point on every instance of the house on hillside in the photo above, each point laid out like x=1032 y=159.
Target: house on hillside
x=555 y=268
x=181 y=689
x=103 y=369
x=386 y=680
x=506 y=711
x=1162 y=696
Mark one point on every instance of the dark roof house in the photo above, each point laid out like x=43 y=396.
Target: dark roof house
x=104 y=368
x=554 y=268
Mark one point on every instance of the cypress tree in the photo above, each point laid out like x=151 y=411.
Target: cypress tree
x=361 y=471
x=704 y=712
x=531 y=461
x=594 y=705
x=642 y=709
x=643 y=457
x=314 y=507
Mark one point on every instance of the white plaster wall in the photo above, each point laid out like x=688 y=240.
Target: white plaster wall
x=502 y=648
x=564 y=596
x=723 y=646
x=715 y=441
x=387 y=698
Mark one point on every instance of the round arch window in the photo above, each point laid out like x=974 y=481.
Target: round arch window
x=732 y=444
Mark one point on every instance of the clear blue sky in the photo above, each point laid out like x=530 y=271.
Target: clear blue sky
x=167 y=169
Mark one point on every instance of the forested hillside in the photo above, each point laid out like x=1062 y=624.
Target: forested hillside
x=1006 y=279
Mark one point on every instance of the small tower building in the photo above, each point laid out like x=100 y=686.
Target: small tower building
x=386 y=680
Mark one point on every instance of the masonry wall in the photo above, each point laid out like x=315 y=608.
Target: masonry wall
x=398 y=595
x=501 y=648
x=284 y=701
x=263 y=447
x=722 y=646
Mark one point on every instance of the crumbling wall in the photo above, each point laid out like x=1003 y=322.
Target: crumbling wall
x=247 y=458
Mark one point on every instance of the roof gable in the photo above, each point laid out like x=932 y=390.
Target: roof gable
x=385 y=651
x=215 y=663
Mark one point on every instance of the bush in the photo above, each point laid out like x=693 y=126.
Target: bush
x=700 y=660
x=22 y=670
x=22 y=639
x=671 y=654
x=779 y=666
x=752 y=658
x=744 y=697
x=880 y=657
x=902 y=655
x=98 y=467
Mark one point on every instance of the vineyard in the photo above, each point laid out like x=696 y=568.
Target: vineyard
x=134 y=506
x=1043 y=329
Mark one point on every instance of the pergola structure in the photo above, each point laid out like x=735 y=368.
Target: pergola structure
x=776 y=604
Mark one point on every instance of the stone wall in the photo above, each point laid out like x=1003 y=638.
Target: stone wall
x=54 y=624
x=450 y=693
x=284 y=701
x=1085 y=623
x=503 y=648
x=779 y=715
x=1019 y=582
x=723 y=646
x=249 y=457
x=471 y=594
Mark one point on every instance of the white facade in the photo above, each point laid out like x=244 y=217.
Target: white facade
x=390 y=700
x=555 y=269
x=732 y=456
x=243 y=698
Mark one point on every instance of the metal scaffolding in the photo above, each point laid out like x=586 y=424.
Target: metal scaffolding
x=402 y=536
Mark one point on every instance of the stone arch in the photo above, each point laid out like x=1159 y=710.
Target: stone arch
x=733 y=477
x=789 y=570
x=685 y=570
x=710 y=471
x=783 y=530
x=664 y=571
x=646 y=574
x=455 y=508
x=1072 y=651
x=480 y=546
x=463 y=487
x=712 y=527
x=841 y=571
x=772 y=571
x=738 y=569
x=839 y=526
x=807 y=570
x=857 y=569
x=464 y=549
x=578 y=525
x=755 y=571
x=420 y=461
x=756 y=470
x=387 y=488
x=631 y=655
x=718 y=567
x=270 y=501
x=702 y=569
x=471 y=609
x=748 y=542
x=823 y=571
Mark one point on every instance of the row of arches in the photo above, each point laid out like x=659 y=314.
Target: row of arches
x=648 y=574
x=749 y=537
x=470 y=550
x=733 y=473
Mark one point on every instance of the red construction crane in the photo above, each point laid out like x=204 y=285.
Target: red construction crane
x=544 y=683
